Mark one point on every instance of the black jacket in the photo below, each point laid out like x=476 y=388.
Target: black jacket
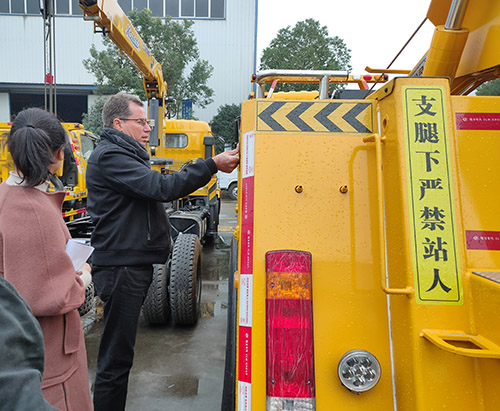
x=125 y=201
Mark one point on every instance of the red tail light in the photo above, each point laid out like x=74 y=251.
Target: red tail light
x=289 y=343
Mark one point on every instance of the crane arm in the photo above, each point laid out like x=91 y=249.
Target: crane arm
x=109 y=17
x=465 y=43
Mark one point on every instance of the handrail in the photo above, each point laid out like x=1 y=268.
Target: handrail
x=444 y=339
x=300 y=76
x=380 y=202
x=322 y=77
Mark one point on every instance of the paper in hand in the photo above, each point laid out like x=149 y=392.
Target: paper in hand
x=79 y=252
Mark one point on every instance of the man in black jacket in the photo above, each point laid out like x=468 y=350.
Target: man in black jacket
x=131 y=232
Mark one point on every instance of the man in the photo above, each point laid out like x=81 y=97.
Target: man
x=131 y=232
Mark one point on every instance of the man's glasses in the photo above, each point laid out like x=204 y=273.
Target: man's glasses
x=141 y=121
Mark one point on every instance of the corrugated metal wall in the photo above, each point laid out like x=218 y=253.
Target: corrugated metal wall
x=22 y=38
x=228 y=45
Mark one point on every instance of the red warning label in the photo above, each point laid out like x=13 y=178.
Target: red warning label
x=478 y=121
x=482 y=240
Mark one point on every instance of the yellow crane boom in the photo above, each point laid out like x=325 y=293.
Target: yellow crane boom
x=111 y=20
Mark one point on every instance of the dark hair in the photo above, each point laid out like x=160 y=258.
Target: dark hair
x=35 y=136
x=117 y=106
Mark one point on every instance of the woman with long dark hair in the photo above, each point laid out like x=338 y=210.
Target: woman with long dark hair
x=33 y=259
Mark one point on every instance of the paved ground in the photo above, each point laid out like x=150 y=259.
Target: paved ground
x=182 y=369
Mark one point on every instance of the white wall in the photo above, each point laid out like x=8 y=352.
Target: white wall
x=22 y=38
x=228 y=45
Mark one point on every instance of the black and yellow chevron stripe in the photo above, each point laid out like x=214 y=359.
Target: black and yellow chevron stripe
x=309 y=116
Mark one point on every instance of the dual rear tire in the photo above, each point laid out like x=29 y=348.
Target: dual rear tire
x=175 y=292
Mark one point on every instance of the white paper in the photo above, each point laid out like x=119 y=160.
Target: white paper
x=79 y=252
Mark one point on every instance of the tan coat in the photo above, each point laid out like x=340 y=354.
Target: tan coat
x=33 y=239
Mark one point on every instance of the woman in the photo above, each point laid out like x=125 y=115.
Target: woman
x=33 y=239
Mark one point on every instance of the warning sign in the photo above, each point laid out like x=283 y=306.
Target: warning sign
x=328 y=117
x=432 y=220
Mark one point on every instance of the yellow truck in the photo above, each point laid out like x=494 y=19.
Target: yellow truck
x=367 y=251
x=186 y=141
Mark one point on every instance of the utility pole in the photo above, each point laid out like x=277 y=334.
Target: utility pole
x=49 y=61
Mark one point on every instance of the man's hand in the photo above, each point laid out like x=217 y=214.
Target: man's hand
x=228 y=160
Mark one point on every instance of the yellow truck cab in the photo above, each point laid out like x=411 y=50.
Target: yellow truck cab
x=366 y=257
x=185 y=142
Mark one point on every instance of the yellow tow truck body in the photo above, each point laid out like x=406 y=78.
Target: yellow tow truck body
x=368 y=240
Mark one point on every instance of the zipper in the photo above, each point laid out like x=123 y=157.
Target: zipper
x=149 y=223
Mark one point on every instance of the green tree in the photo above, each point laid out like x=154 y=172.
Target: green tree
x=222 y=125
x=306 y=46
x=92 y=121
x=491 y=88
x=174 y=46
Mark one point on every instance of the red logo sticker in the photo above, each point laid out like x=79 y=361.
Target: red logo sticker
x=245 y=354
x=482 y=240
x=478 y=121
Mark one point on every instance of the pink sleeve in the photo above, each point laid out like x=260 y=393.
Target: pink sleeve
x=36 y=263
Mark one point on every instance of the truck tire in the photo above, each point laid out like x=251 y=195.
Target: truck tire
x=156 y=309
x=185 y=280
x=89 y=302
x=233 y=191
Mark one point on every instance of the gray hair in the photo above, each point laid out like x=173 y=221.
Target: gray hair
x=117 y=106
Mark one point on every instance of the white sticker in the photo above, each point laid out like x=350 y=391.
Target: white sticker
x=246 y=289
x=244 y=396
x=247 y=169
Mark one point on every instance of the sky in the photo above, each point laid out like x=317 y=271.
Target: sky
x=374 y=31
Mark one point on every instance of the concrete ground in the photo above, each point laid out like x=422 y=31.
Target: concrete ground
x=182 y=369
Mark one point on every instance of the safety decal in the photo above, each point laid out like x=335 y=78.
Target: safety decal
x=482 y=240
x=477 y=121
x=246 y=291
x=433 y=232
x=212 y=191
x=327 y=117
x=246 y=273
x=244 y=396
